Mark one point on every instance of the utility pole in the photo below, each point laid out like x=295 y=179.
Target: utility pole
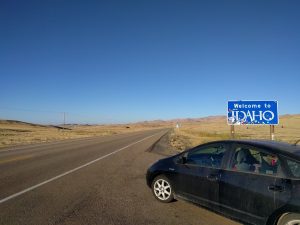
x=64 y=120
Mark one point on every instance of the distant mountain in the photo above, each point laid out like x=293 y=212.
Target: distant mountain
x=200 y=119
x=21 y=123
x=147 y=122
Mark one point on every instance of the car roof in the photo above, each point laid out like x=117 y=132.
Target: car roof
x=277 y=147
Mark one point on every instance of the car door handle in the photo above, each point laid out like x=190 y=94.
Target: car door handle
x=276 y=188
x=213 y=177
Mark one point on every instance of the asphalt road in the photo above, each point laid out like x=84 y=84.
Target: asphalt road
x=89 y=181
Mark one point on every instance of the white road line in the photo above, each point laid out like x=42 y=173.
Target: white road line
x=70 y=171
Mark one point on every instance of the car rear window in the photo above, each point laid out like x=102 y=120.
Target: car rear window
x=294 y=168
x=248 y=159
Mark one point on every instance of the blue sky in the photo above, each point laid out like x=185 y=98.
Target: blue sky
x=126 y=61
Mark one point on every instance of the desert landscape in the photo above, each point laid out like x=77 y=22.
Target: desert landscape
x=190 y=132
x=14 y=132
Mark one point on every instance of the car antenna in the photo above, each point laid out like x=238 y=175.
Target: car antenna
x=297 y=142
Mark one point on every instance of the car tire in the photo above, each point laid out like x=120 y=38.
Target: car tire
x=162 y=189
x=289 y=219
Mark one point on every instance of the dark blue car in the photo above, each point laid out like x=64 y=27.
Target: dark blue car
x=256 y=182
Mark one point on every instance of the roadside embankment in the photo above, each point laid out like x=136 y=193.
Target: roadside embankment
x=171 y=143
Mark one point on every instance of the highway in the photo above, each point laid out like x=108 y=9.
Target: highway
x=89 y=181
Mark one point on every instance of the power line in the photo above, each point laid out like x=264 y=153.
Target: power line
x=62 y=114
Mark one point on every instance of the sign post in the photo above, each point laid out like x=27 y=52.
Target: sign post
x=272 y=132
x=232 y=131
x=253 y=113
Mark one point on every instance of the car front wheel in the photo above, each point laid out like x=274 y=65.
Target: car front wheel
x=162 y=189
x=289 y=219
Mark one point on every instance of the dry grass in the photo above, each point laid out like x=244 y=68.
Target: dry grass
x=192 y=133
x=16 y=133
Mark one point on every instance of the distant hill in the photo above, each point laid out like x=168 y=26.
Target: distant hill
x=200 y=119
x=148 y=122
x=221 y=118
x=21 y=123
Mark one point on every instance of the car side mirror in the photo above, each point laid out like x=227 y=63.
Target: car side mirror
x=182 y=159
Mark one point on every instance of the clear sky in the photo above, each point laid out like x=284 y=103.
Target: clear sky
x=125 y=61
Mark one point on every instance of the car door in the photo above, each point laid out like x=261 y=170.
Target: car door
x=248 y=185
x=287 y=183
x=198 y=176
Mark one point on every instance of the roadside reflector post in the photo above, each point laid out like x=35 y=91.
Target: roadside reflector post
x=272 y=132
x=232 y=131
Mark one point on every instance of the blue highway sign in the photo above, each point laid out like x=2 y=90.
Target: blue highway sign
x=252 y=112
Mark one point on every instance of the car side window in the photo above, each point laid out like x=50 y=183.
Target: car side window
x=248 y=159
x=294 y=168
x=208 y=156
